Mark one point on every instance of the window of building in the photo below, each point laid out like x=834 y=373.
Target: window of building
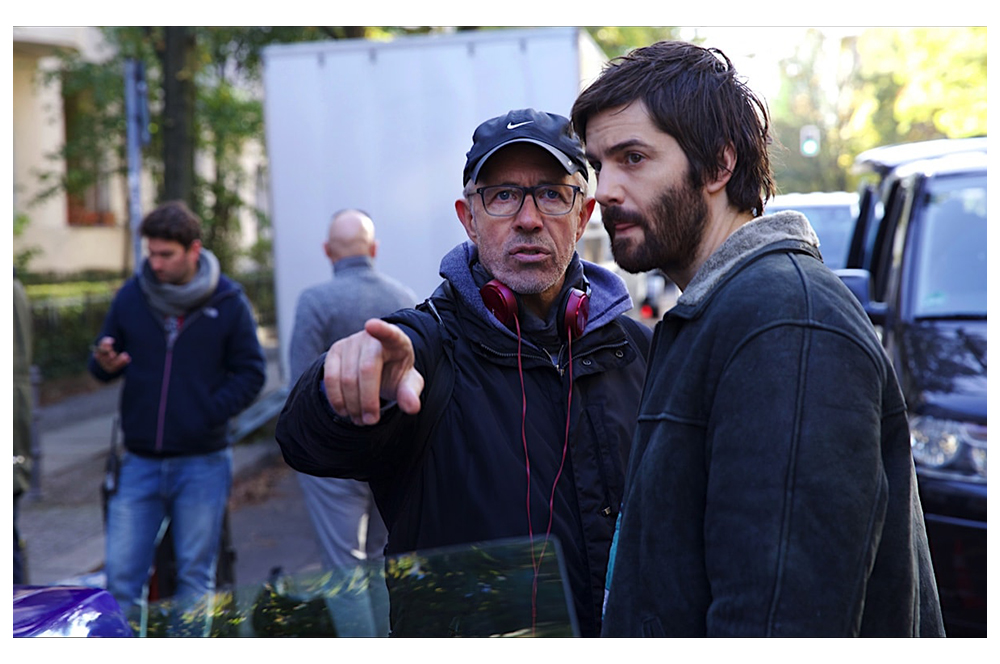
x=88 y=181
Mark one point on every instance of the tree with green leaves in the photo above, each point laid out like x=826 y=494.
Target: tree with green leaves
x=911 y=84
x=892 y=85
x=618 y=40
x=201 y=83
x=897 y=85
x=802 y=102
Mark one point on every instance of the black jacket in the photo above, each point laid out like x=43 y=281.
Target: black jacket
x=456 y=472
x=771 y=489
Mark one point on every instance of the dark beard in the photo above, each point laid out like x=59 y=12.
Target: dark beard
x=671 y=236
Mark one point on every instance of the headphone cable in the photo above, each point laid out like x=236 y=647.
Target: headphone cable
x=537 y=562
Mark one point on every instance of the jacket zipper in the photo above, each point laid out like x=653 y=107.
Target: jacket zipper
x=532 y=354
x=173 y=331
x=602 y=462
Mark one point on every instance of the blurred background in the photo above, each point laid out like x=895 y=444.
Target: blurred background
x=83 y=173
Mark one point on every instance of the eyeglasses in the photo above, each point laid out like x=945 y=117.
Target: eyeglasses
x=506 y=200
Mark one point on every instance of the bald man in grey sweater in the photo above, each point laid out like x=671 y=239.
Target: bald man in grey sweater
x=348 y=526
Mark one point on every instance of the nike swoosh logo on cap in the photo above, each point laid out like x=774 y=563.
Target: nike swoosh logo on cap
x=511 y=125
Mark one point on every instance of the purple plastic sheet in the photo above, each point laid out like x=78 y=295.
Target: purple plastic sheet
x=67 y=611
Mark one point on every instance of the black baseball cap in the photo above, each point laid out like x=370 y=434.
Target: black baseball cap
x=548 y=130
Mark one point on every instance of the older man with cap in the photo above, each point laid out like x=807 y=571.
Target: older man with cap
x=504 y=405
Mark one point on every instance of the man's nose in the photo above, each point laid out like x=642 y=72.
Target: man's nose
x=609 y=190
x=528 y=217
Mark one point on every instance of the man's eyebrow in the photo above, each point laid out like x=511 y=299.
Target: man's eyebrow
x=621 y=146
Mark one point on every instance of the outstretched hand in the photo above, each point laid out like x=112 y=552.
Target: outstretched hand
x=374 y=364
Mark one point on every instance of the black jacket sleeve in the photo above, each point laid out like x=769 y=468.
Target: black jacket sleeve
x=316 y=441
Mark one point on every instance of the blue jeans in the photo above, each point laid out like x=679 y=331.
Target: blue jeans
x=19 y=577
x=190 y=491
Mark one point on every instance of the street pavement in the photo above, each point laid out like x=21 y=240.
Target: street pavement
x=61 y=520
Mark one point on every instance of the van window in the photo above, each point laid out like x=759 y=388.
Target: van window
x=950 y=272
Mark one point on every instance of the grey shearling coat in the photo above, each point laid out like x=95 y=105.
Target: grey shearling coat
x=770 y=490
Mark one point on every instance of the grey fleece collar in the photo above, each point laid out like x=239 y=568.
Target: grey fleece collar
x=352 y=262
x=748 y=239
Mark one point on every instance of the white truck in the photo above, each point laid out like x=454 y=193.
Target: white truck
x=384 y=126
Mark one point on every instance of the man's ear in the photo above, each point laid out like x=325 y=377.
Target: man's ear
x=326 y=250
x=586 y=210
x=464 y=212
x=724 y=170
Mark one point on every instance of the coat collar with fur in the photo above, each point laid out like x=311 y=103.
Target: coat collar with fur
x=749 y=239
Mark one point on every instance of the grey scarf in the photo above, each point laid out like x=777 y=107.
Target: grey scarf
x=179 y=299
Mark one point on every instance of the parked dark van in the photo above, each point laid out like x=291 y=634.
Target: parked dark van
x=918 y=265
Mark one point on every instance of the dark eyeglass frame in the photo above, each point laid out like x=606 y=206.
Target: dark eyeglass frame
x=528 y=190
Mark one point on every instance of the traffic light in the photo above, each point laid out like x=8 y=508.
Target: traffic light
x=809 y=141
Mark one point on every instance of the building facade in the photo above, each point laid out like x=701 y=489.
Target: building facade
x=89 y=231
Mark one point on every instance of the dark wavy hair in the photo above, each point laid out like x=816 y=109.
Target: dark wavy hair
x=172 y=220
x=695 y=95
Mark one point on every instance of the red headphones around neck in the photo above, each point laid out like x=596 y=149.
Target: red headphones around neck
x=572 y=319
x=503 y=303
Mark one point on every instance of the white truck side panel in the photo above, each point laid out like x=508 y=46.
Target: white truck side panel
x=385 y=127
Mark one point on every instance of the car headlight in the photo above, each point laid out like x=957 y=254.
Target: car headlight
x=976 y=436
x=948 y=445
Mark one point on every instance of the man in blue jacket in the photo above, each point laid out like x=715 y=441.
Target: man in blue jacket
x=184 y=339
x=771 y=490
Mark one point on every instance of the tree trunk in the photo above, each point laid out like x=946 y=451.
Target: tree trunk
x=177 y=59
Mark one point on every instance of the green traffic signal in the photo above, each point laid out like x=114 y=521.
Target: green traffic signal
x=809 y=141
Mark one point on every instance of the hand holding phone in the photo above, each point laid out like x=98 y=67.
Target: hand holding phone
x=108 y=358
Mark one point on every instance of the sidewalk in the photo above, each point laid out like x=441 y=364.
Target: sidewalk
x=63 y=528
